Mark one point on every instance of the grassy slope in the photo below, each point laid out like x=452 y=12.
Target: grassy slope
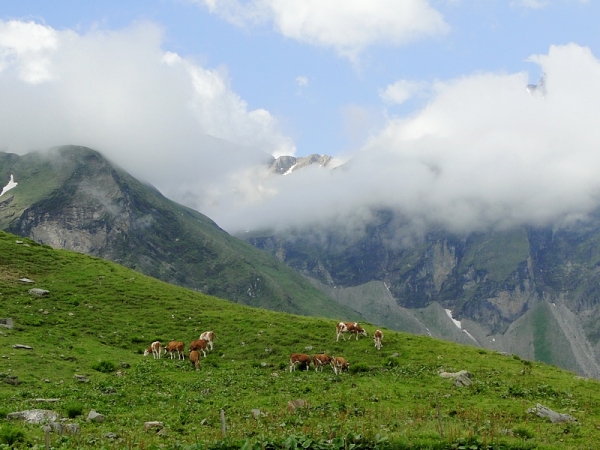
x=99 y=311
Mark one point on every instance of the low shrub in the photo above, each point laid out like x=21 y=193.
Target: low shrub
x=10 y=435
x=73 y=410
x=104 y=366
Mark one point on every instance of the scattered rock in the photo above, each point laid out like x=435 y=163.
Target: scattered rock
x=12 y=379
x=34 y=416
x=21 y=346
x=81 y=378
x=544 y=411
x=204 y=422
x=256 y=413
x=26 y=280
x=308 y=347
x=206 y=391
x=47 y=400
x=64 y=428
x=463 y=379
x=110 y=435
x=124 y=365
x=6 y=323
x=94 y=416
x=274 y=374
x=293 y=405
x=150 y=425
x=39 y=292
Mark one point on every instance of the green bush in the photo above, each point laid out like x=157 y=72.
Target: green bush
x=104 y=367
x=359 y=367
x=10 y=435
x=73 y=410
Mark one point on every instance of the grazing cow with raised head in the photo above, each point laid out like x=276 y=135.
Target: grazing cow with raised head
x=299 y=359
x=340 y=364
x=199 y=344
x=349 y=327
x=377 y=338
x=195 y=359
x=321 y=360
x=175 y=347
x=155 y=348
x=209 y=337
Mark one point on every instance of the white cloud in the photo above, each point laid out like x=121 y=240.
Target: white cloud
x=302 y=80
x=482 y=154
x=159 y=115
x=347 y=26
x=402 y=90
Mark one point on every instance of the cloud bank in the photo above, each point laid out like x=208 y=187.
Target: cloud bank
x=162 y=117
x=347 y=26
x=483 y=154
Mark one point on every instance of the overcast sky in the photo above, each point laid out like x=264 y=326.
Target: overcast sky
x=426 y=101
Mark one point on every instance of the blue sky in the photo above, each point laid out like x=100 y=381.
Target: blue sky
x=282 y=77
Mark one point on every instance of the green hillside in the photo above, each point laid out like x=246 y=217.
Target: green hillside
x=98 y=317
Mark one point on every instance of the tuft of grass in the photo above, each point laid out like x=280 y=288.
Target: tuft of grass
x=105 y=367
x=73 y=410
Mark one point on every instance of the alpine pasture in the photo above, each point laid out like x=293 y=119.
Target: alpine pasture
x=98 y=318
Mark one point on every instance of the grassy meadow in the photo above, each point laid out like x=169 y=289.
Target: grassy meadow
x=99 y=317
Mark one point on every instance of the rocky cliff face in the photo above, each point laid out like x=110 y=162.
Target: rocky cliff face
x=530 y=291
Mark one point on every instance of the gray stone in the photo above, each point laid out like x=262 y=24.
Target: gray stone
x=94 y=416
x=22 y=347
x=110 y=435
x=153 y=424
x=39 y=292
x=34 y=416
x=256 y=413
x=544 y=411
x=26 y=280
x=293 y=405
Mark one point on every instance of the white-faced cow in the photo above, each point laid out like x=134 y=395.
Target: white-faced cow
x=299 y=359
x=199 y=344
x=349 y=327
x=209 y=337
x=321 y=360
x=155 y=348
x=175 y=347
x=377 y=338
x=195 y=359
x=340 y=364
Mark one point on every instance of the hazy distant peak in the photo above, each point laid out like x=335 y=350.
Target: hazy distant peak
x=285 y=165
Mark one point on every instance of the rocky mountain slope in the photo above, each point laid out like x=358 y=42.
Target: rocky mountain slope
x=73 y=198
x=529 y=291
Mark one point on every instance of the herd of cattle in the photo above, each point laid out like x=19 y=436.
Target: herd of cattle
x=206 y=341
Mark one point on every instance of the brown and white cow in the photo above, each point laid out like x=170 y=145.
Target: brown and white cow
x=321 y=360
x=209 y=337
x=340 y=364
x=175 y=347
x=349 y=327
x=377 y=338
x=299 y=359
x=155 y=348
x=195 y=359
x=199 y=344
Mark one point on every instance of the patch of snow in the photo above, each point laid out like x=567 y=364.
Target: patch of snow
x=290 y=169
x=456 y=322
x=11 y=184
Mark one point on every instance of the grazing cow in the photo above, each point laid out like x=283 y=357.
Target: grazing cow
x=299 y=358
x=199 y=344
x=209 y=337
x=378 y=337
x=155 y=348
x=176 y=346
x=321 y=360
x=195 y=359
x=349 y=327
x=340 y=364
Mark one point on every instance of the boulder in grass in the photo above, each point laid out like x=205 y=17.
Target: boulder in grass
x=94 y=416
x=39 y=292
x=34 y=416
